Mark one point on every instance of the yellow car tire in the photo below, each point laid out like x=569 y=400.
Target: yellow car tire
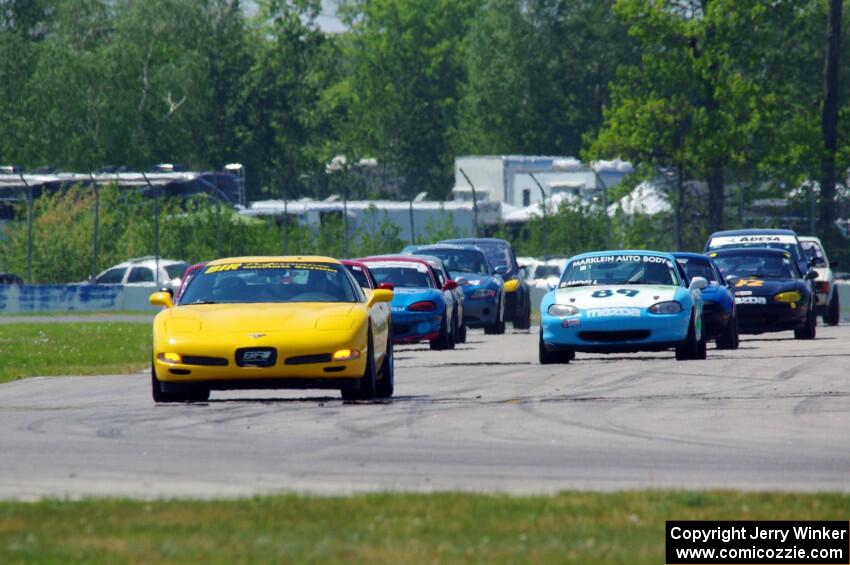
x=195 y=394
x=386 y=384
x=366 y=391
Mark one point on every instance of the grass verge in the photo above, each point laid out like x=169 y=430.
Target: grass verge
x=85 y=313
x=625 y=527
x=28 y=350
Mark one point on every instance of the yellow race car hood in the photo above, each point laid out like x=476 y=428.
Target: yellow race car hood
x=260 y=317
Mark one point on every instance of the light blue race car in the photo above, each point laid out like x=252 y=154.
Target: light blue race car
x=620 y=302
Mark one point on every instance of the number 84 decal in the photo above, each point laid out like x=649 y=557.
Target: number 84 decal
x=630 y=292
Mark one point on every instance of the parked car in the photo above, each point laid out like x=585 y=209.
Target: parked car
x=142 y=272
x=502 y=258
x=827 y=304
x=10 y=279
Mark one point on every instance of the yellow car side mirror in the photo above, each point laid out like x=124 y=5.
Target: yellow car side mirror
x=379 y=295
x=161 y=299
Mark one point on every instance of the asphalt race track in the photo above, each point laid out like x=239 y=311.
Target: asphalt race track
x=773 y=415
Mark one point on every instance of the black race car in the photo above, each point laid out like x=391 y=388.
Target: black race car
x=785 y=240
x=771 y=293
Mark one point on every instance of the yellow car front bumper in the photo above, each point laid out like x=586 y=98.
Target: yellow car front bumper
x=201 y=357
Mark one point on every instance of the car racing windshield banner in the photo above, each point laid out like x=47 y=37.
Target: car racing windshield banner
x=726 y=240
x=398 y=265
x=269 y=265
x=578 y=271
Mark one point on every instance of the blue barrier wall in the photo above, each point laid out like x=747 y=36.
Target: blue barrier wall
x=69 y=298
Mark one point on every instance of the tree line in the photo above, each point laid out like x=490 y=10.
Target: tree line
x=63 y=247
x=747 y=93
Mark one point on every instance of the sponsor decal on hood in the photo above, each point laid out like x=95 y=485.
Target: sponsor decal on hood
x=615 y=296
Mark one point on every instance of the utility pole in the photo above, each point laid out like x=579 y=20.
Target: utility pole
x=93 y=272
x=543 y=207
x=829 y=117
x=217 y=214
x=285 y=215
x=29 y=228
x=474 y=201
x=155 y=228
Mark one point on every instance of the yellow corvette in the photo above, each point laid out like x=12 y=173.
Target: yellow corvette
x=272 y=322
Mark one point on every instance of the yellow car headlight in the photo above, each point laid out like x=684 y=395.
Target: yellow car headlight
x=511 y=286
x=346 y=355
x=790 y=296
x=172 y=358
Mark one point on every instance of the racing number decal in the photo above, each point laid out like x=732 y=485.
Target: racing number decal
x=630 y=292
x=749 y=282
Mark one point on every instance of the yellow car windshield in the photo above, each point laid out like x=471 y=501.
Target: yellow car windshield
x=272 y=282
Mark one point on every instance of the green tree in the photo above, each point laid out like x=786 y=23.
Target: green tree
x=438 y=227
x=538 y=74
x=723 y=94
x=377 y=234
x=276 y=108
x=407 y=65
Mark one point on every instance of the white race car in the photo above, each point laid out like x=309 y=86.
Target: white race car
x=827 y=303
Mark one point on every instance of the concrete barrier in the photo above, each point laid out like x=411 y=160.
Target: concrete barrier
x=536 y=297
x=843 y=288
x=69 y=298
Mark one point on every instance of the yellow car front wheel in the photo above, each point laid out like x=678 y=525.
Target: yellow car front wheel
x=386 y=383
x=190 y=393
x=366 y=391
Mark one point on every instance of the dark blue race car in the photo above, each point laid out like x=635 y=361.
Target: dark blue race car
x=483 y=291
x=771 y=293
x=719 y=315
x=501 y=257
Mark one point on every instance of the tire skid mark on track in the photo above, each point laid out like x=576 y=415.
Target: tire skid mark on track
x=631 y=377
x=815 y=405
x=773 y=357
x=36 y=426
x=791 y=372
x=618 y=430
x=721 y=376
x=459 y=421
x=476 y=364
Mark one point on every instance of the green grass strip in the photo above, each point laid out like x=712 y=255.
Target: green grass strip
x=625 y=527
x=86 y=313
x=28 y=350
